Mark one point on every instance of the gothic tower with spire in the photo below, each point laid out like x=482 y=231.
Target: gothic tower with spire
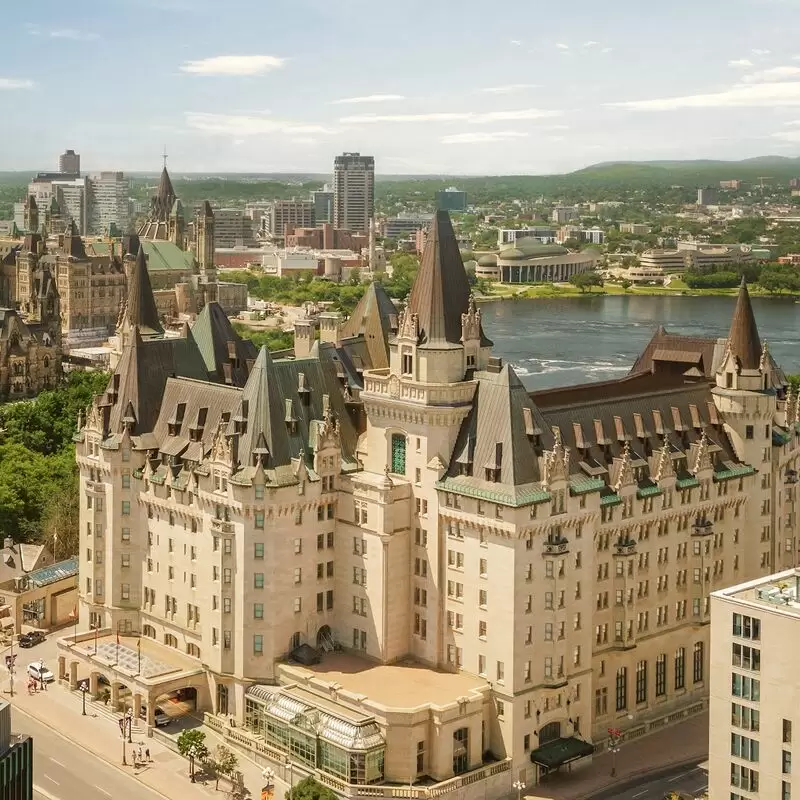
x=204 y=248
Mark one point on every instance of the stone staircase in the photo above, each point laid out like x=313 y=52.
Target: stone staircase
x=100 y=709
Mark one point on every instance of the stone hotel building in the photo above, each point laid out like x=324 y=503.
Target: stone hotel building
x=388 y=561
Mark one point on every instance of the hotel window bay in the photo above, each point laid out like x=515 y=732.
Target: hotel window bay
x=398 y=454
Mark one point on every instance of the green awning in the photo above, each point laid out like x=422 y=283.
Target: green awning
x=561 y=751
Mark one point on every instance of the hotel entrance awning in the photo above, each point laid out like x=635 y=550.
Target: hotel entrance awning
x=561 y=751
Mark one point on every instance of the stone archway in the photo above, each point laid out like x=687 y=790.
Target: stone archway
x=325 y=641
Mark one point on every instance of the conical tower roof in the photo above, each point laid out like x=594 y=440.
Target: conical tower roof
x=743 y=339
x=440 y=294
x=140 y=307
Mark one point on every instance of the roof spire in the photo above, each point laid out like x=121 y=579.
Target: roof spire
x=141 y=310
x=165 y=157
x=743 y=339
x=440 y=294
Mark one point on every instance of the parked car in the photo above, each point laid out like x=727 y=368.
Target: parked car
x=161 y=719
x=39 y=672
x=30 y=639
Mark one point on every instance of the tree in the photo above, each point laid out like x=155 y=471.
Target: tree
x=61 y=529
x=586 y=280
x=311 y=789
x=223 y=763
x=192 y=745
x=625 y=284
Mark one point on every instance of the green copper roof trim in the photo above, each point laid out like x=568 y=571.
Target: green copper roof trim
x=687 y=483
x=649 y=491
x=586 y=485
x=735 y=472
x=610 y=500
x=781 y=437
x=523 y=498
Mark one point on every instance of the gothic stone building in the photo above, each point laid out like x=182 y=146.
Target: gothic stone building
x=388 y=560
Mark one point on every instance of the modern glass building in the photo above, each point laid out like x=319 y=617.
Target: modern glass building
x=351 y=749
x=16 y=760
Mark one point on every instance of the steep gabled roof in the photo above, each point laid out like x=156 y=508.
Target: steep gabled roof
x=140 y=306
x=142 y=373
x=498 y=435
x=215 y=335
x=374 y=318
x=264 y=411
x=440 y=294
x=743 y=339
x=675 y=353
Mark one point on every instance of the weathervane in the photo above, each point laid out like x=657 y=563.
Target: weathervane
x=165 y=156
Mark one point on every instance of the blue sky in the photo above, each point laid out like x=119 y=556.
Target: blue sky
x=457 y=86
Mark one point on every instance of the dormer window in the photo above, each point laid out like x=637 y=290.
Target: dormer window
x=728 y=380
x=471 y=361
x=407 y=362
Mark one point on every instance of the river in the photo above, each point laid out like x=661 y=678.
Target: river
x=563 y=341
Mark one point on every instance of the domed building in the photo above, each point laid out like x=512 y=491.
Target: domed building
x=529 y=261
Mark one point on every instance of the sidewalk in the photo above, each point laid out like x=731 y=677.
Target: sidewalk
x=98 y=733
x=683 y=743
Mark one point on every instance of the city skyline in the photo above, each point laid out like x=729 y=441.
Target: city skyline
x=585 y=88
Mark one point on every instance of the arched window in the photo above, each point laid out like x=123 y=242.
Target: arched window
x=549 y=732
x=398 y=454
x=170 y=640
x=193 y=650
x=149 y=631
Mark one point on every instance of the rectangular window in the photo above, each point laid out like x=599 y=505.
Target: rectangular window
x=661 y=675
x=126 y=508
x=787 y=731
x=747 y=627
x=258 y=644
x=259 y=520
x=398 y=454
x=258 y=611
x=622 y=689
x=258 y=550
x=697 y=662
x=786 y=762
x=680 y=668
x=641 y=682
x=746 y=657
x=126 y=534
x=258 y=580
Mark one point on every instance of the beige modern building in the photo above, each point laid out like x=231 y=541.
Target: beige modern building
x=353 y=192
x=530 y=261
x=387 y=560
x=754 y=688
x=285 y=214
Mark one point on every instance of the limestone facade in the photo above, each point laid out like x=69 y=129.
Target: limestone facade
x=557 y=548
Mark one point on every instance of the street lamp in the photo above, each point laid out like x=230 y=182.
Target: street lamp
x=268 y=775
x=84 y=687
x=95 y=628
x=129 y=720
x=614 y=741
x=519 y=786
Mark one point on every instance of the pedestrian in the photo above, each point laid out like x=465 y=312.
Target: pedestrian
x=147 y=753
x=140 y=753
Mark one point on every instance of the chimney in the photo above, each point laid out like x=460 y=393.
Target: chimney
x=330 y=328
x=303 y=337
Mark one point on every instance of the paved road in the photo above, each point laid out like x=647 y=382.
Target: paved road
x=691 y=781
x=63 y=771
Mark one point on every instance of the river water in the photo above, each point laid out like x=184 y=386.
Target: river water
x=563 y=341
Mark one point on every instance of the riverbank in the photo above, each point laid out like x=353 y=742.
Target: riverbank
x=505 y=291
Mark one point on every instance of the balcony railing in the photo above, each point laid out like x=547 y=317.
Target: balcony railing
x=555 y=546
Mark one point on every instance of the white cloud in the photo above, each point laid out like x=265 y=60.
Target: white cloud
x=607 y=50
x=15 y=83
x=242 y=125
x=591 y=43
x=562 y=46
x=511 y=87
x=233 y=65
x=73 y=34
x=787 y=136
x=742 y=95
x=473 y=117
x=740 y=62
x=793 y=122
x=516 y=42
x=772 y=75
x=756 y=52
x=482 y=138
x=369 y=98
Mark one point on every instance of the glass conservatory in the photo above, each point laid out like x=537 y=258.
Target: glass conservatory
x=349 y=749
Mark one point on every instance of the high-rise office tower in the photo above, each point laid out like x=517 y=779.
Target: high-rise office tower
x=69 y=163
x=109 y=206
x=353 y=191
x=16 y=759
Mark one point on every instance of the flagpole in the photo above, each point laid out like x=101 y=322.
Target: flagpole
x=139 y=652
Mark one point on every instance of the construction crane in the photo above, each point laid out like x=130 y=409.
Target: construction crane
x=762 y=178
